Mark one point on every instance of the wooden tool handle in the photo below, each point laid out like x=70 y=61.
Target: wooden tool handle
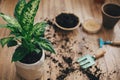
x=100 y=53
x=115 y=43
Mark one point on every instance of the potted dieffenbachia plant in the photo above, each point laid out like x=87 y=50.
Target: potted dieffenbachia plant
x=27 y=37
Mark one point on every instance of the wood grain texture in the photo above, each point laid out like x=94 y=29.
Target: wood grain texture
x=68 y=45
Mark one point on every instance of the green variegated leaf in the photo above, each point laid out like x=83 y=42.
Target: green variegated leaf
x=3 y=26
x=38 y=51
x=4 y=41
x=18 y=8
x=28 y=14
x=45 y=44
x=14 y=30
x=10 y=20
x=39 y=29
x=19 y=54
x=28 y=45
x=18 y=37
x=12 y=43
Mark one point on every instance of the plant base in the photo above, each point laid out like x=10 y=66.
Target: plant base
x=31 y=71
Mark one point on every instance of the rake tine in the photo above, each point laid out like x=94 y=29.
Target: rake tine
x=87 y=65
x=84 y=62
x=82 y=58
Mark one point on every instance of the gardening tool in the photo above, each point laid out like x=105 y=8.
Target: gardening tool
x=102 y=42
x=88 y=60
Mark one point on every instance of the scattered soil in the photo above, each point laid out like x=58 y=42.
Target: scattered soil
x=80 y=53
x=67 y=20
x=47 y=55
x=97 y=70
x=67 y=39
x=54 y=26
x=68 y=60
x=92 y=75
x=31 y=58
x=114 y=72
x=54 y=60
x=50 y=22
x=60 y=65
x=48 y=79
x=68 y=70
x=65 y=72
x=61 y=77
x=83 y=39
x=47 y=71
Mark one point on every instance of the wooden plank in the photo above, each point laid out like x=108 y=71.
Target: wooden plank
x=68 y=5
x=52 y=9
x=68 y=45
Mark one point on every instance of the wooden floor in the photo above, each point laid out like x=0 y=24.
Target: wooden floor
x=68 y=45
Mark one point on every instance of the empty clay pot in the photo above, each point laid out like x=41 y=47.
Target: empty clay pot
x=110 y=14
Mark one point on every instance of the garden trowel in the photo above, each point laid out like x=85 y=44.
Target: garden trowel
x=88 y=60
x=102 y=42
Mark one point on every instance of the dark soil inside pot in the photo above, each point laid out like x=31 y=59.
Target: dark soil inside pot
x=31 y=58
x=67 y=20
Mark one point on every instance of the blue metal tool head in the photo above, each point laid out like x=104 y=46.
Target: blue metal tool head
x=101 y=42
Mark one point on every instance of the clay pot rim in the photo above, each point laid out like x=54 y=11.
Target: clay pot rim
x=110 y=3
x=67 y=29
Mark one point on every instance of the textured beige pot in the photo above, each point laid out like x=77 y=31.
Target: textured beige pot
x=30 y=71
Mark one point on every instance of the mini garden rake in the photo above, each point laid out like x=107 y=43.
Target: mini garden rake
x=102 y=42
x=88 y=60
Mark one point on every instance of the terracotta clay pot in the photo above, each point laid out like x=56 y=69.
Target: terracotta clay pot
x=110 y=14
x=30 y=71
x=66 y=21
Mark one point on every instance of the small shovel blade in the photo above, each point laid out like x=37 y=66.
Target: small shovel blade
x=86 y=61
